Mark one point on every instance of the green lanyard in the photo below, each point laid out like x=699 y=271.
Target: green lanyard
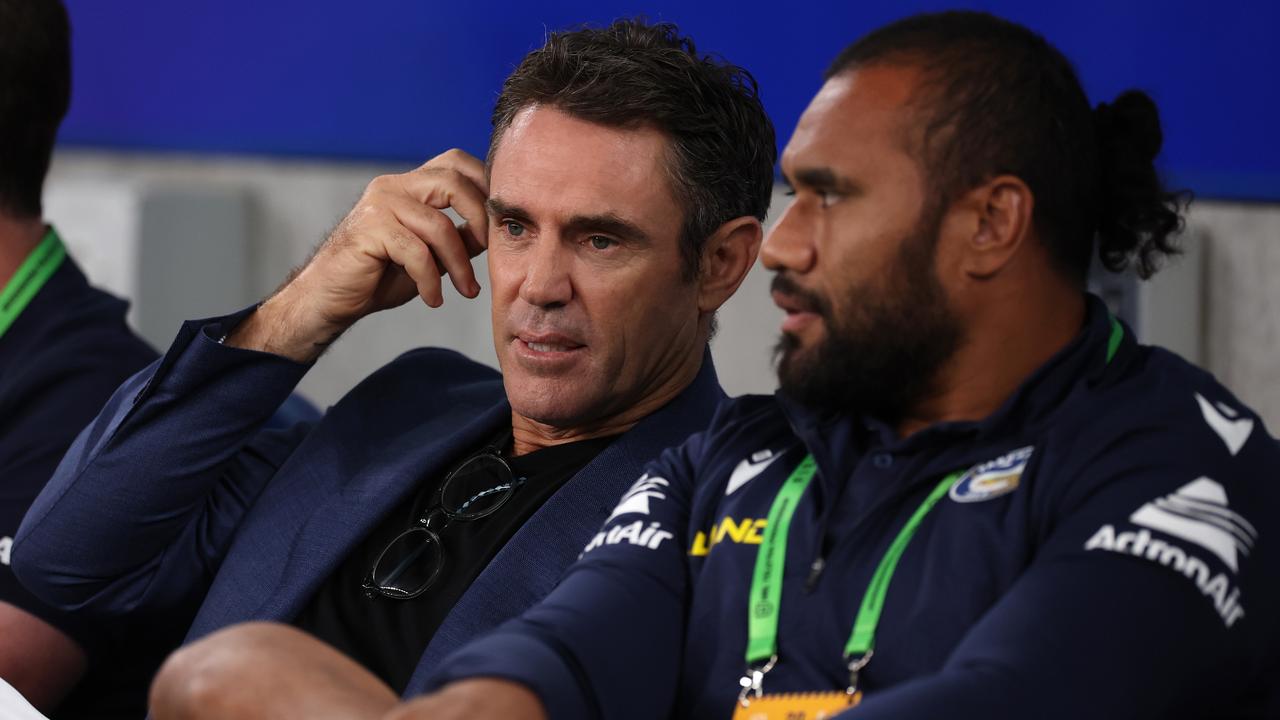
x=766 y=581
x=34 y=272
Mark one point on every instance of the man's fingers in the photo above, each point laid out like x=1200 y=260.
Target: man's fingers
x=476 y=242
x=437 y=231
x=410 y=253
x=442 y=188
x=465 y=163
x=455 y=179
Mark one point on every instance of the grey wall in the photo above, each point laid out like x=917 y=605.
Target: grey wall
x=191 y=237
x=1242 y=319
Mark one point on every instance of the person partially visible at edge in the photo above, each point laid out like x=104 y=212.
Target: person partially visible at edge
x=64 y=348
x=975 y=496
x=620 y=207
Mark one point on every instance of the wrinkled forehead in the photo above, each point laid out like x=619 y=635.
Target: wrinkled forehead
x=558 y=166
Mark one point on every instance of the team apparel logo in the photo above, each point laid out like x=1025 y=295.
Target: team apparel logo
x=1197 y=512
x=6 y=546
x=1222 y=420
x=748 y=469
x=636 y=500
x=993 y=478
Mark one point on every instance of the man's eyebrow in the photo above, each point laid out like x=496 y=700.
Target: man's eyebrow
x=498 y=208
x=605 y=223
x=608 y=224
x=822 y=179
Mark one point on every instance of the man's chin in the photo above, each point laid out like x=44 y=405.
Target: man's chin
x=792 y=360
x=559 y=403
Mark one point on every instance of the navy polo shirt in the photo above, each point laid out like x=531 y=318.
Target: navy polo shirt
x=60 y=361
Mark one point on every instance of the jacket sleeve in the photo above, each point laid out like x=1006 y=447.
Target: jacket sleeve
x=145 y=502
x=606 y=642
x=1150 y=597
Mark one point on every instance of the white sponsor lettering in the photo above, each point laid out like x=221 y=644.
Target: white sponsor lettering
x=6 y=546
x=636 y=533
x=1225 y=596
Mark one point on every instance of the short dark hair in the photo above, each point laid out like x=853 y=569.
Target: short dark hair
x=634 y=74
x=997 y=98
x=35 y=92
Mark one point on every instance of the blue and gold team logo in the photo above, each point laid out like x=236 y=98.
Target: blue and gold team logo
x=992 y=478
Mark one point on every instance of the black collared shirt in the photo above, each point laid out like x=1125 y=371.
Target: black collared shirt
x=388 y=636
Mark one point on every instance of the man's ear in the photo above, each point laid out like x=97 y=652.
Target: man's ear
x=727 y=257
x=988 y=225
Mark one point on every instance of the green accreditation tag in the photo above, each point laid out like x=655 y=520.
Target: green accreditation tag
x=34 y=272
x=766 y=581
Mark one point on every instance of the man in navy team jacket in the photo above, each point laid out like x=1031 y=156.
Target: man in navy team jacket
x=976 y=496
x=64 y=348
x=620 y=207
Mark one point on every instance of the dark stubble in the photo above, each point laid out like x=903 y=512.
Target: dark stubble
x=883 y=355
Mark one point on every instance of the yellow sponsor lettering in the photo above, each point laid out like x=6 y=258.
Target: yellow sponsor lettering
x=700 y=546
x=748 y=531
x=736 y=531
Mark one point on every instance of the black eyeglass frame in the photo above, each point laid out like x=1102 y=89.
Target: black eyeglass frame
x=507 y=485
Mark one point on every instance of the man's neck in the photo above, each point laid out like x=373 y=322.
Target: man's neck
x=18 y=236
x=1001 y=351
x=530 y=435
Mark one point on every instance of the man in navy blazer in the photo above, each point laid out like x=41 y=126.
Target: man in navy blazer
x=620 y=206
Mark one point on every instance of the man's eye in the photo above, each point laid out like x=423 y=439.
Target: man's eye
x=600 y=242
x=829 y=198
x=515 y=229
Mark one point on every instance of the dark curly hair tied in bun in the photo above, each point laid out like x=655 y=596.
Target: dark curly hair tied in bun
x=1137 y=216
x=997 y=99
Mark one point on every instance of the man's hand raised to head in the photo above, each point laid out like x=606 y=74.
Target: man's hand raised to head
x=394 y=244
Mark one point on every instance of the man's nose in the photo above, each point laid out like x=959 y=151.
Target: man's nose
x=547 y=281
x=789 y=245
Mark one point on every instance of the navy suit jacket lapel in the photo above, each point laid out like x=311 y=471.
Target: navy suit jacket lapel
x=349 y=515
x=352 y=505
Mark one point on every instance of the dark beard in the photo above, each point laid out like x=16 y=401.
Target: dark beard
x=884 y=357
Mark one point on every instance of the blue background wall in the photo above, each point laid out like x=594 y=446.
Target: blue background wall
x=403 y=80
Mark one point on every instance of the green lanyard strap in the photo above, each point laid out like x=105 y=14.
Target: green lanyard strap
x=34 y=272
x=766 y=581
x=864 y=627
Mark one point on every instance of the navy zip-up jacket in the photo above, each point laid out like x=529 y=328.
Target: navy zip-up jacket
x=1111 y=551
